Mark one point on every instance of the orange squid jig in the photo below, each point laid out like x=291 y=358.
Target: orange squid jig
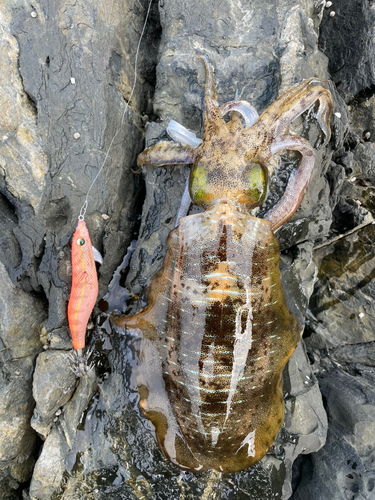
x=84 y=285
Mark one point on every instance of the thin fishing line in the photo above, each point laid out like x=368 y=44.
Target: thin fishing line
x=82 y=212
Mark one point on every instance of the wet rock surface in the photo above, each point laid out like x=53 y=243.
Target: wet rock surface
x=343 y=305
x=349 y=450
x=340 y=331
x=66 y=76
x=345 y=39
x=53 y=386
x=20 y=333
x=48 y=478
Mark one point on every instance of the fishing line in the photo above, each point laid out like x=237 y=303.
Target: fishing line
x=83 y=210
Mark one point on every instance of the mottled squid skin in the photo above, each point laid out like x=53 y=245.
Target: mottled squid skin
x=219 y=328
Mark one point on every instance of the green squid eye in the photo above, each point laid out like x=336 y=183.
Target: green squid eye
x=257 y=182
x=80 y=241
x=198 y=184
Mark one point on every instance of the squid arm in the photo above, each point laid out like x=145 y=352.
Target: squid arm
x=166 y=153
x=296 y=101
x=298 y=180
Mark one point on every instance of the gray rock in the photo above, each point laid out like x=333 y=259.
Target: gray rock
x=19 y=129
x=22 y=317
x=60 y=339
x=50 y=468
x=305 y=427
x=68 y=79
x=343 y=300
x=355 y=354
x=71 y=73
x=53 y=385
x=59 y=77
x=362 y=117
x=344 y=467
x=347 y=40
x=52 y=458
x=341 y=326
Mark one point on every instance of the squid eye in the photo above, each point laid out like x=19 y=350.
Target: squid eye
x=80 y=241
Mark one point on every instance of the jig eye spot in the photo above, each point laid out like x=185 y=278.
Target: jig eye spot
x=80 y=241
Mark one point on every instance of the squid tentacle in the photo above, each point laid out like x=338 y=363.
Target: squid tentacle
x=298 y=180
x=213 y=120
x=295 y=102
x=166 y=153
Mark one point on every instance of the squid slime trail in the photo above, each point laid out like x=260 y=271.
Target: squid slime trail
x=219 y=326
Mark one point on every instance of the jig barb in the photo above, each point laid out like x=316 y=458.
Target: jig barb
x=84 y=285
